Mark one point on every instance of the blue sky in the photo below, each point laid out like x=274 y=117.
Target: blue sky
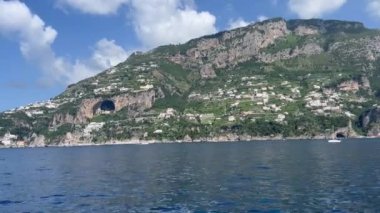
x=46 y=45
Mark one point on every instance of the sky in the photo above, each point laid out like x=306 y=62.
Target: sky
x=46 y=45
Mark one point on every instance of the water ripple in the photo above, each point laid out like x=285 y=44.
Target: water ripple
x=239 y=177
x=9 y=202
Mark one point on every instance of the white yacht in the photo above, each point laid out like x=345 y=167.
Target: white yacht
x=334 y=141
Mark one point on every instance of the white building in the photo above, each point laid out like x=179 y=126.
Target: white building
x=92 y=127
x=8 y=139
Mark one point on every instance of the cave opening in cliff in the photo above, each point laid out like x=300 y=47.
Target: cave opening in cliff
x=340 y=135
x=104 y=107
x=107 y=105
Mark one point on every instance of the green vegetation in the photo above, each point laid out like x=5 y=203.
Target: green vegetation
x=69 y=108
x=294 y=96
x=174 y=49
x=171 y=101
x=60 y=132
x=289 y=42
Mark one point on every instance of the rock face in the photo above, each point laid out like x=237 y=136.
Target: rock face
x=370 y=120
x=369 y=117
x=142 y=100
x=365 y=48
x=72 y=139
x=207 y=71
x=307 y=50
x=243 y=44
x=37 y=141
x=305 y=30
x=232 y=47
x=61 y=118
x=89 y=107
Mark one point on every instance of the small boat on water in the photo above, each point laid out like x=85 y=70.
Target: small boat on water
x=144 y=143
x=334 y=141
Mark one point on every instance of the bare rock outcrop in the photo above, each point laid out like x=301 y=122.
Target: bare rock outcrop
x=367 y=48
x=37 y=141
x=365 y=83
x=304 y=31
x=307 y=50
x=232 y=47
x=63 y=118
x=207 y=71
x=86 y=109
x=349 y=86
x=72 y=139
x=369 y=118
x=89 y=107
x=143 y=100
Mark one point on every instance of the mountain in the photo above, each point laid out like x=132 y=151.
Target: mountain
x=273 y=79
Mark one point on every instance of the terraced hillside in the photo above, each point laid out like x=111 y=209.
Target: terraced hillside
x=273 y=79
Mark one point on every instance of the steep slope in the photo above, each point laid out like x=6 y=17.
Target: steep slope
x=277 y=78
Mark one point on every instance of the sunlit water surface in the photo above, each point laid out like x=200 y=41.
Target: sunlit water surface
x=311 y=176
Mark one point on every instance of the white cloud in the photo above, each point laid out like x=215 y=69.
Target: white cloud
x=374 y=7
x=159 y=22
x=262 y=18
x=35 y=39
x=240 y=22
x=156 y=22
x=232 y=24
x=314 y=8
x=108 y=54
x=105 y=55
x=97 y=7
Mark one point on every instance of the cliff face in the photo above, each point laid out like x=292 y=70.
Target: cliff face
x=273 y=79
x=91 y=107
x=306 y=50
x=232 y=47
x=370 y=120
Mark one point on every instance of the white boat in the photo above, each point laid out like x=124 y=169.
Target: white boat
x=144 y=143
x=334 y=141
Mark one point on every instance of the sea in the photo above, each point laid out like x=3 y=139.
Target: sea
x=282 y=176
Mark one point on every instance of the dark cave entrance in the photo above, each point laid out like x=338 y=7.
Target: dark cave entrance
x=104 y=107
x=340 y=135
x=107 y=105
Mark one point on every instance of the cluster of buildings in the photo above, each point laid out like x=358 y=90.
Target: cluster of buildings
x=329 y=101
x=91 y=127
x=260 y=94
x=142 y=83
x=36 y=109
x=9 y=140
x=145 y=67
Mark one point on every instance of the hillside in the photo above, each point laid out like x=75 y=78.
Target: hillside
x=273 y=79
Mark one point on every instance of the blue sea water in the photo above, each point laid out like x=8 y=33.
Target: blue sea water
x=302 y=176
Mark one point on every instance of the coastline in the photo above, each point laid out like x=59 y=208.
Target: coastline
x=206 y=140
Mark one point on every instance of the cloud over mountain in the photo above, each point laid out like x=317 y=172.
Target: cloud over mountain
x=374 y=8
x=96 y=7
x=35 y=39
x=156 y=22
x=314 y=8
x=160 y=22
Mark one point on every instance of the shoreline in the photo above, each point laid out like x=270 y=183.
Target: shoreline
x=150 y=142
